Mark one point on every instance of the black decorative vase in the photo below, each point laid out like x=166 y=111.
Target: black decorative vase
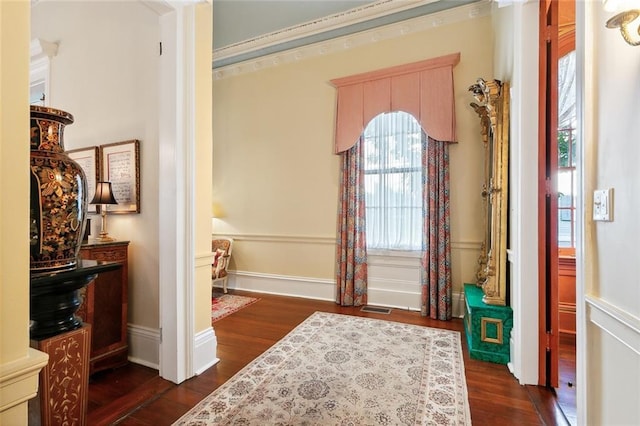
x=58 y=194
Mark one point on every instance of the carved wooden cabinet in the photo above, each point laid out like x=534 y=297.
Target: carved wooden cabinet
x=105 y=306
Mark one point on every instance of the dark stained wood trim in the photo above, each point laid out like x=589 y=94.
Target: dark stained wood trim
x=547 y=194
x=542 y=224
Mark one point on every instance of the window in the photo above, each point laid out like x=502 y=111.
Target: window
x=567 y=153
x=393 y=182
x=566 y=187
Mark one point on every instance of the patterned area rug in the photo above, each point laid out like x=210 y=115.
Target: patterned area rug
x=343 y=370
x=227 y=304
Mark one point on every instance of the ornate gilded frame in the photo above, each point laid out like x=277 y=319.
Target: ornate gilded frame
x=493 y=109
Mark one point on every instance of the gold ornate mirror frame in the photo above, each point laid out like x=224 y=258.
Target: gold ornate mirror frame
x=493 y=109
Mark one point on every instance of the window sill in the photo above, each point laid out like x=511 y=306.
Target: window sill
x=394 y=253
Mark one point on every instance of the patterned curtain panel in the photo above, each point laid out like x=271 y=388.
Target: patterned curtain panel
x=436 y=246
x=351 y=252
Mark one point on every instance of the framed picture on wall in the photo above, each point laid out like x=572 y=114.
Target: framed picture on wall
x=88 y=159
x=121 y=167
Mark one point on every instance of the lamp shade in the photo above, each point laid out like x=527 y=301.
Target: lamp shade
x=103 y=194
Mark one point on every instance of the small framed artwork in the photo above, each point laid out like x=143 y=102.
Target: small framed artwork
x=88 y=160
x=121 y=167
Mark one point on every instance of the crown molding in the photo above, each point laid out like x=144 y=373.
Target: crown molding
x=350 y=17
x=159 y=7
x=414 y=25
x=40 y=49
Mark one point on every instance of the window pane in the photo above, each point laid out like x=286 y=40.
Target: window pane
x=564 y=228
x=565 y=187
x=573 y=149
x=393 y=182
x=564 y=147
x=567 y=137
x=566 y=207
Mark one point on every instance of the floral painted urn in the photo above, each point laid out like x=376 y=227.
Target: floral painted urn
x=58 y=194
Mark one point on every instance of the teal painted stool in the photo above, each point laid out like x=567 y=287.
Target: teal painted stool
x=488 y=327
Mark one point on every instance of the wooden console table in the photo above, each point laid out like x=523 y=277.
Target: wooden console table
x=105 y=306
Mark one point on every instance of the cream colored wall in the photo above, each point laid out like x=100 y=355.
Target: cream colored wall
x=19 y=365
x=275 y=175
x=203 y=137
x=14 y=203
x=610 y=270
x=105 y=74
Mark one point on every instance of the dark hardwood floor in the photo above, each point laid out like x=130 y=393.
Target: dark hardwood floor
x=566 y=390
x=136 y=395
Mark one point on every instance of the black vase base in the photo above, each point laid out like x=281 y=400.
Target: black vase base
x=40 y=330
x=55 y=298
x=42 y=267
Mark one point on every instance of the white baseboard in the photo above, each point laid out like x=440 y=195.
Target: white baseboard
x=282 y=285
x=324 y=289
x=459 y=304
x=144 y=346
x=204 y=350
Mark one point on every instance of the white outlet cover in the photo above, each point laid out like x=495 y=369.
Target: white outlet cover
x=603 y=205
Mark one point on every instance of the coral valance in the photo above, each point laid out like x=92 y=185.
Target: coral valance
x=423 y=89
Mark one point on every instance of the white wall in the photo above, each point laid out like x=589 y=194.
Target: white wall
x=609 y=312
x=106 y=74
x=516 y=61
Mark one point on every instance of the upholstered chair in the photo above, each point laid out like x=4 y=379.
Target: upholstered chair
x=221 y=248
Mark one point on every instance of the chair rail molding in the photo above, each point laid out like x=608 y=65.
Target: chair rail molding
x=203 y=259
x=319 y=239
x=620 y=324
x=279 y=238
x=19 y=379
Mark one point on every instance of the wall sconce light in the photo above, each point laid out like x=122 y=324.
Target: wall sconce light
x=104 y=196
x=217 y=211
x=623 y=19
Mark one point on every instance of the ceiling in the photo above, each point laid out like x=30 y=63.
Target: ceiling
x=244 y=30
x=235 y=21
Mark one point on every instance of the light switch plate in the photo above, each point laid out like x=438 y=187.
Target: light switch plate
x=603 y=205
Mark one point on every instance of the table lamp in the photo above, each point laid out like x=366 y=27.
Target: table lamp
x=104 y=196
